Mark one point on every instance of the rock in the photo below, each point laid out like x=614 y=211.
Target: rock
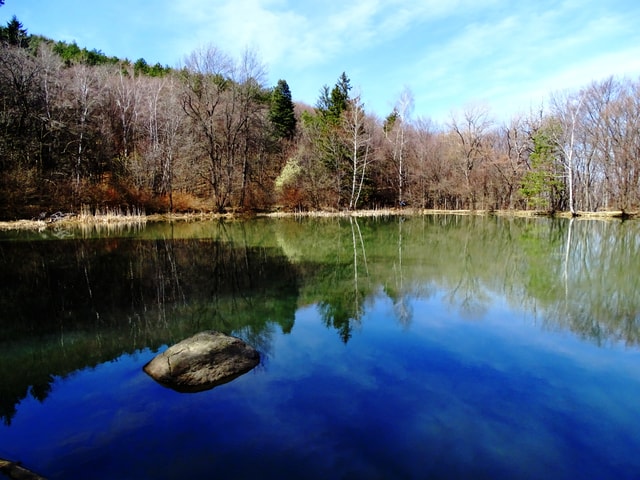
x=17 y=471
x=201 y=362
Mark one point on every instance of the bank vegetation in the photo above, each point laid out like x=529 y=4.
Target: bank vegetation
x=80 y=130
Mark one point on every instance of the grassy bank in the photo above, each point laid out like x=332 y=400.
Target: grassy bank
x=119 y=217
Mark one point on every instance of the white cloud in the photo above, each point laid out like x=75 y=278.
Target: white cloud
x=449 y=53
x=304 y=33
x=514 y=61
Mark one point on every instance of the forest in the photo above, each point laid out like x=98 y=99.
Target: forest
x=80 y=129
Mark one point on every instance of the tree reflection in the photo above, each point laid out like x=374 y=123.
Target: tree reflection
x=468 y=292
x=335 y=270
x=573 y=274
x=601 y=289
x=77 y=303
x=401 y=303
x=69 y=304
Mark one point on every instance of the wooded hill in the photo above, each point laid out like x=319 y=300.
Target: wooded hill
x=79 y=128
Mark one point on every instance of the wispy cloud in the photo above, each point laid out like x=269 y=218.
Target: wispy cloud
x=449 y=53
x=306 y=32
x=513 y=61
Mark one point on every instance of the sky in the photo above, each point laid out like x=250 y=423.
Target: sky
x=505 y=56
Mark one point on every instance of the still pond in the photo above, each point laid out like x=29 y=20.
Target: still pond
x=392 y=347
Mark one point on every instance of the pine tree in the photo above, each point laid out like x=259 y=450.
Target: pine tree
x=340 y=96
x=281 y=112
x=332 y=102
x=14 y=33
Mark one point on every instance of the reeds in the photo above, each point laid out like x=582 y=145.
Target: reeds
x=111 y=215
x=89 y=218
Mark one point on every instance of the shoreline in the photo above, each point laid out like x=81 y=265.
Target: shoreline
x=72 y=219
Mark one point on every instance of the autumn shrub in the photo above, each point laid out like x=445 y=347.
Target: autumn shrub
x=293 y=199
x=184 y=202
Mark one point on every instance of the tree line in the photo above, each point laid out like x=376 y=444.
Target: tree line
x=80 y=128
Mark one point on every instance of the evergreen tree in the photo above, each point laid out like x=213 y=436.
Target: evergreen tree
x=324 y=100
x=332 y=103
x=327 y=130
x=390 y=121
x=541 y=185
x=281 y=112
x=340 y=96
x=15 y=34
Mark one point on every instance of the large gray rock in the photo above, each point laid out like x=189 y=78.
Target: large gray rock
x=16 y=470
x=201 y=362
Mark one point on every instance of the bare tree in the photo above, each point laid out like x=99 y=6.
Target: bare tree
x=622 y=167
x=359 y=140
x=51 y=67
x=206 y=78
x=567 y=109
x=125 y=90
x=160 y=119
x=20 y=98
x=395 y=129
x=513 y=144
x=224 y=101
x=169 y=130
x=85 y=90
x=469 y=134
x=593 y=143
x=244 y=118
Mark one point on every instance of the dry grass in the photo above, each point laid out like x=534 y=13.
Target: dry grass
x=341 y=213
x=137 y=218
x=108 y=215
x=417 y=211
x=190 y=217
x=23 y=225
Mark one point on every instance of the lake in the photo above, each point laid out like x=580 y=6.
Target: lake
x=392 y=347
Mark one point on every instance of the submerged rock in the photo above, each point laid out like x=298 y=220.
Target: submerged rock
x=201 y=362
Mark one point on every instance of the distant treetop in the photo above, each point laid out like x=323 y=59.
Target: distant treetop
x=15 y=34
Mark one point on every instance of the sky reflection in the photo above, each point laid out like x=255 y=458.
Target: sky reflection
x=447 y=397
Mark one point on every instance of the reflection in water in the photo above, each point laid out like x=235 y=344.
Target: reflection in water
x=574 y=274
x=401 y=305
x=416 y=350
x=75 y=303
x=357 y=245
x=567 y=250
x=601 y=283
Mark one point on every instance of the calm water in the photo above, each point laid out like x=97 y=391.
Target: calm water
x=427 y=347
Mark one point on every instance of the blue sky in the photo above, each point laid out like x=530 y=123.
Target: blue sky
x=503 y=54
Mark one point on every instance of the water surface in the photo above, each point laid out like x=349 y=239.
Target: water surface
x=426 y=347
